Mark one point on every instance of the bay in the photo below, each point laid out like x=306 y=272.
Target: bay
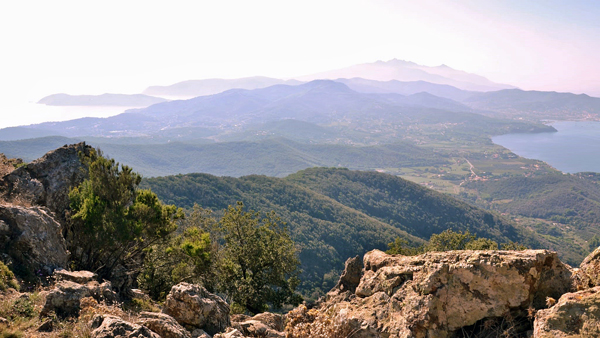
x=575 y=147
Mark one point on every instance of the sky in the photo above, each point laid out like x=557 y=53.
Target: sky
x=84 y=47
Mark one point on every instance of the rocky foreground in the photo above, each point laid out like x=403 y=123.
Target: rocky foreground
x=527 y=293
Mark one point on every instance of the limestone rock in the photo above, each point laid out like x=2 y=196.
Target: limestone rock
x=80 y=277
x=256 y=329
x=65 y=298
x=198 y=333
x=165 y=325
x=191 y=305
x=32 y=239
x=272 y=320
x=47 y=180
x=107 y=326
x=574 y=315
x=351 y=275
x=438 y=293
x=588 y=274
x=231 y=333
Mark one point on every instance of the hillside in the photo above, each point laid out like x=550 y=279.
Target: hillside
x=121 y=100
x=537 y=104
x=193 y=88
x=570 y=199
x=273 y=156
x=328 y=226
x=406 y=88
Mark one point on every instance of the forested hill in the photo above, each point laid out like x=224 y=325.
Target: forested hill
x=334 y=214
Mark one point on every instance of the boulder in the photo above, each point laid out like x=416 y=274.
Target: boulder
x=107 y=326
x=191 y=305
x=32 y=239
x=48 y=180
x=164 y=325
x=256 y=329
x=439 y=293
x=198 y=333
x=80 y=277
x=350 y=277
x=272 y=320
x=65 y=298
x=588 y=274
x=231 y=333
x=574 y=315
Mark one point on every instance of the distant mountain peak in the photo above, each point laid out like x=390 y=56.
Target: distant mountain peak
x=402 y=70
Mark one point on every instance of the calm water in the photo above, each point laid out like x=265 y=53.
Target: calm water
x=574 y=148
x=30 y=113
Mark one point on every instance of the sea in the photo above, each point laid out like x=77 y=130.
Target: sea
x=20 y=114
x=575 y=147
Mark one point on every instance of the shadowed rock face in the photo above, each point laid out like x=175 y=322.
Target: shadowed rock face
x=438 y=293
x=47 y=180
x=574 y=315
x=34 y=199
x=32 y=239
x=588 y=274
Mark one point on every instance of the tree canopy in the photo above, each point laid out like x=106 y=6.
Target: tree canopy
x=260 y=263
x=113 y=221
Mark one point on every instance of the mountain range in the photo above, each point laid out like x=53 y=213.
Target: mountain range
x=409 y=71
x=192 y=88
x=322 y=102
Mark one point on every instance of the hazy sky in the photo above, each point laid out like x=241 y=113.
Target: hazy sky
x=123 y=46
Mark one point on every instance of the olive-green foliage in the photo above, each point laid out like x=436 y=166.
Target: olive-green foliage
x=510 y=245
x=333 y=214
x=7 y=278
x=184 y=258
x=450 y=240
x=112 y=220
x=259 y=264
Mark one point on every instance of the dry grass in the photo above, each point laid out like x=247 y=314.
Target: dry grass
x=23 y=313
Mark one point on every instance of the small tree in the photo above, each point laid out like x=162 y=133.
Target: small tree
x=188 y=257
x=112 y=220
x=449 y=240
x=259 y=264
x=185 y=258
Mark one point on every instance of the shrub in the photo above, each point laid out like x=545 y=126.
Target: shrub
x=7 y=278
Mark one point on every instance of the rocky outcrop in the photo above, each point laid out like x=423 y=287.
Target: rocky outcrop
x=107 y=326
x=65 y=298
x=350 y=278
x=34 y=199
x=272 y=320
x=588 y=274
x=192 y=306
x=164 y=325
x=81 y=277
x=48 y=180
x=32 y=239
x=255 y=329
x=574 y=315
x=7 y=165
x=438 y=293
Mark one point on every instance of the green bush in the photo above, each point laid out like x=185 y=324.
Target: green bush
x=7 y=278
x=450 y=240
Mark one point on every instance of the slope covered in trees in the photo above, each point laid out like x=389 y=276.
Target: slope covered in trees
x=331 y=225
x=273 y=157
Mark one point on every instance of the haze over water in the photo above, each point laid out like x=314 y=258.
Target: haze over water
x=574 y=148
